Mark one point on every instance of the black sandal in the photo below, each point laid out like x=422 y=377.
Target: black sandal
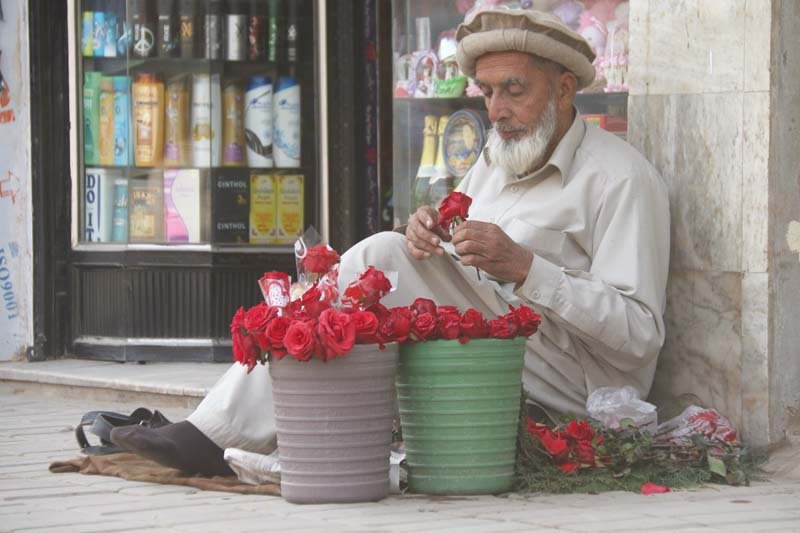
x=101 y=423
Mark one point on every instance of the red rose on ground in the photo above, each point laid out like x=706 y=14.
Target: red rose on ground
x=368 y=289
x=526 y=319
x=319 y=259
x=652 y=488
x=449 y=318
x=424 y=327
x=301 y=340
x=473 y=326
x=275 y=334
x=501 y=328
x=569 y=466
x=337 y=334
x=584 y=452
x=455 y=206
x=396 y=327
x=580 y=430
x=423 y=305
x=555 y=445
x=366 y=324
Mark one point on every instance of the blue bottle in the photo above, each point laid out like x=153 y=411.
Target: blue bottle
x=87 y=29
x=122 y=121
x=99 y=32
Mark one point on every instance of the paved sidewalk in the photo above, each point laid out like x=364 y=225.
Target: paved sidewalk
x=36 y=429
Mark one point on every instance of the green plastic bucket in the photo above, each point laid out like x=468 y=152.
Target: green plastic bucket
x=459 y=409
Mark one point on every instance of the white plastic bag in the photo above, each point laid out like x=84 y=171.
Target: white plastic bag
x=611 y=405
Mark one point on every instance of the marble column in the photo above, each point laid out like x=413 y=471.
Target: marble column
x=703 y=110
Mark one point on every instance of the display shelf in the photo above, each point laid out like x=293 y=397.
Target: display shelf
x=176 y=65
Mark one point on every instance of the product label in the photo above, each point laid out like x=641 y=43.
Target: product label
x=290 y=208
x=262 y=209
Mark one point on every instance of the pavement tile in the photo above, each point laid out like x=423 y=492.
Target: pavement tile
x=31 y=497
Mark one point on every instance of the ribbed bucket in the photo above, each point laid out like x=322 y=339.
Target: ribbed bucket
x=459 y=408
x=334 y=425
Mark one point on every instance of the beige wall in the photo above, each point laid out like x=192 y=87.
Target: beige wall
x=702 y=102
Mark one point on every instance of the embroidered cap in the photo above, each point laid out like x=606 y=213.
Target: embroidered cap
x=526 y=30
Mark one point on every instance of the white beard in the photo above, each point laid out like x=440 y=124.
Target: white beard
x=518 y=156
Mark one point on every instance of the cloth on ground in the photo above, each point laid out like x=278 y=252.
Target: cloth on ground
x=134 y=468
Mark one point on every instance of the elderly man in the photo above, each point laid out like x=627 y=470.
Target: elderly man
x=565 y=217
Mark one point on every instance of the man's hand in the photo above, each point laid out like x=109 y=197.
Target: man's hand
x=423 y=236
x=487 y=247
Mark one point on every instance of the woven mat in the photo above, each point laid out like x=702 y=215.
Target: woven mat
x=135 y=468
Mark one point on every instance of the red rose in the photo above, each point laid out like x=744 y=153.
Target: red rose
x=555 y=445
x=237 y=322
x=449 y=319
x=651 y=488
x=257 y=317
x=319 y=259
x=246 y=350
x=366 y=324
x=368 y=289
x=396 y=327
x=526 y=319
x=502 y=328
x=473 y=326
x=580 y=430
x=569 y=466
x=301 y=340
x=583 y=452
x=275 y=334
x=423 y=327
x=256 y=320
x=312 y=302
x=380 y=311
x=337 y=334
x=423 y=305
x=455 y=206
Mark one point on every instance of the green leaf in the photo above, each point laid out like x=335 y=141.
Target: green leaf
x=717 y=466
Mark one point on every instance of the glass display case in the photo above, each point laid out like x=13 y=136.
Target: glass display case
x=439 y=120
x=195 y=167
x=193 y=122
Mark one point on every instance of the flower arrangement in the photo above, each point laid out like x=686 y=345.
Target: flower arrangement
x=314 y=322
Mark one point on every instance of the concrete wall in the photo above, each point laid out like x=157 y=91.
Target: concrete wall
x=16 y=263
x=784 y=218
x=707 y=108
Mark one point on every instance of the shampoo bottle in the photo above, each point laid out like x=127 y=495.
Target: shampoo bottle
x=122 y=121
x=286 y=139
x=176 y=147
x=258 y=122
x=106 y=122
x=91 y=108
x=148 y=122
x=206 y=118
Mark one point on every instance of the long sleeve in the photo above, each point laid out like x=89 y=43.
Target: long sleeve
x=616 y=307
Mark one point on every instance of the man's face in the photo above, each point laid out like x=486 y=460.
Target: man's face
x=515 y=90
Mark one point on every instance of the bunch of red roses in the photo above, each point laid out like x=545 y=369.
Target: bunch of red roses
x=430 y=322
x=572 y=446
x=310 y=326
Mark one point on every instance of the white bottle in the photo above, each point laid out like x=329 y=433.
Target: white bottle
x=286 y=139
x=258 y=122
x=206 y=120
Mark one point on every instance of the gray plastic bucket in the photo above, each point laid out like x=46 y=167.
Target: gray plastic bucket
x=334 y=425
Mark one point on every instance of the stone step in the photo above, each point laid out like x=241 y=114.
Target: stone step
x=153 y=384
